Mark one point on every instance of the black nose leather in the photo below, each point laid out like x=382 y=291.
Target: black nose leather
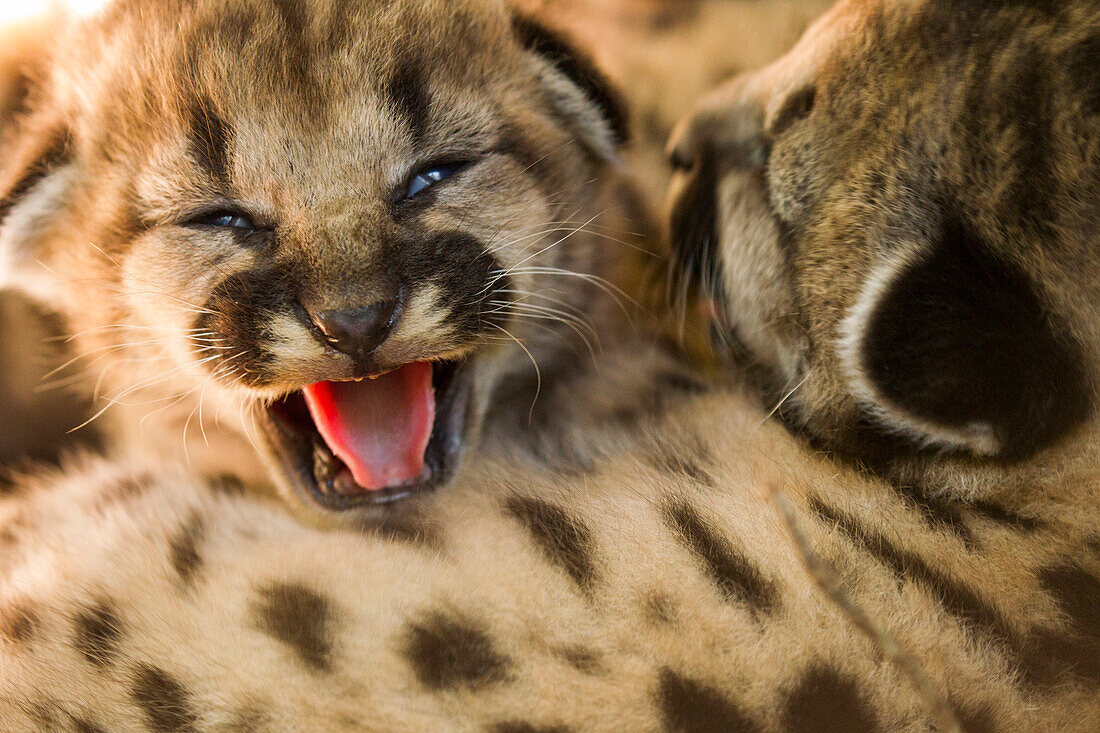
x=359 y=331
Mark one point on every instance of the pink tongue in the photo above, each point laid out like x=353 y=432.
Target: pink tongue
x=379 y=427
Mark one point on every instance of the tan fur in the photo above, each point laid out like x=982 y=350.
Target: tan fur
x=991 y=132
x=646 y=579
x=646 y=638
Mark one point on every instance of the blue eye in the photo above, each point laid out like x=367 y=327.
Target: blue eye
x=226 y=220
x=430 y=177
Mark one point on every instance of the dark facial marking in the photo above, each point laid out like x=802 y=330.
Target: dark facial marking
x=688 y=706
x=960 y=338
x=563 y=540
x=578 y=68
x=165 y=703
x=460 y=266
x=18 y=623
x=239 y=310
x=824 y=699
x=210 y=137
x=409 y=95
x=737 y=579
x=447 y=651
x=98 y=630
x=300 y=618
x=183 y=549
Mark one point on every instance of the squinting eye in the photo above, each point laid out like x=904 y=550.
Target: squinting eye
x=226 y=219
x=428 y=178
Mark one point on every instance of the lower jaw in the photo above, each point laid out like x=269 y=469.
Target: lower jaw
x=316 y=478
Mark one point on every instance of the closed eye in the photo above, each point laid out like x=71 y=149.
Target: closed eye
x=428 y=177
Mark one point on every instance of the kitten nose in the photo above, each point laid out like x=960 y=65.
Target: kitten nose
x=357 y=332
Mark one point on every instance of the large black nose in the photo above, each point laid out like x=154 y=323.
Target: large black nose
x=357 y=332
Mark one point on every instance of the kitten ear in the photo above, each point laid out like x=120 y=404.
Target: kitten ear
x=34 y=152
x=581 y=95
x=35 y=180
x=955 y=348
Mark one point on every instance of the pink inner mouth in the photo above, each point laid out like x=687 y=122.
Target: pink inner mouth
x=380 y=428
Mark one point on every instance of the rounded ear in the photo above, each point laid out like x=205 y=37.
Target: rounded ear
x=35 y=149
x=34 y=183
x=579 y=92
x=956 y=349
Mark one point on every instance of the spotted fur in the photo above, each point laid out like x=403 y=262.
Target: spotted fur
x=631 y=564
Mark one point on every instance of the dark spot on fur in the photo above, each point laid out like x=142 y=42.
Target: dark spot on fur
x=98 y=630
x=680 y=382
x=521 y=727
x=83 y=726
x=123 y=490
x=982 y=349
x=408 y=93
x=1078 y=595
x=1003 y=515
x=939 y=514
x=1052 y=657
x=824 y=699
x=210 y=139
x=165 y=703
x=1042 y=655
x=409 y=527
x=661 y=609
x=227 y=485
x=976 y=718
x=672 y=15
x=578 y=68
x=681 y=464
x=688 y=706
x=18 y=623
x=565 y=541
x=183 y=549
x=735 y=576
x=581 y=659
x=300 y=618
x=447 y=651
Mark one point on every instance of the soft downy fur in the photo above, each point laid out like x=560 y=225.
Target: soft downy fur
x=897 y=227
x=652 y=580
x=193 y=183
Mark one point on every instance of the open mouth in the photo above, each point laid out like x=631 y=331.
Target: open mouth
x=376 y=440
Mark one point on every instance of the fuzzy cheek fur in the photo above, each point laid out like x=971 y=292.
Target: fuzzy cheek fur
x=903 y=277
